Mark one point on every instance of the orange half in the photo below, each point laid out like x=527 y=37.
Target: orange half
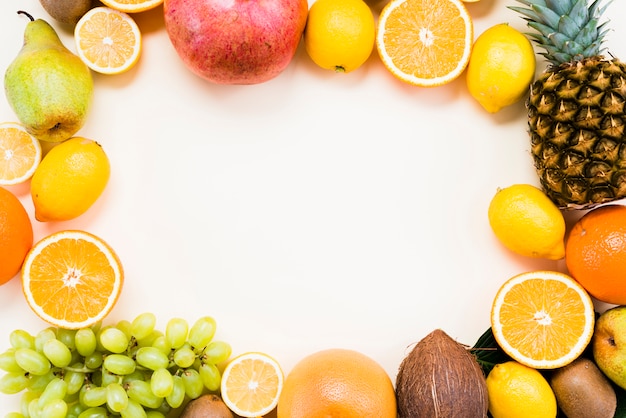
x=72 y=279
x=251 y=384
x=425 y=42
x=543 y=319
x=20 y=154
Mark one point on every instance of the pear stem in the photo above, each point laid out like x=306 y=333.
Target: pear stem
x=22 y=12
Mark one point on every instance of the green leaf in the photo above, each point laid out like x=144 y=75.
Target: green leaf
x=487 y=352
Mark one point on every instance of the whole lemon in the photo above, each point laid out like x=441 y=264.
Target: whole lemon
x=69 y=179
x=501 y=67
x=340 y=34
x=518 y=391
x=527 y=222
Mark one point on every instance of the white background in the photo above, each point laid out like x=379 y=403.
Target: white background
x=313 y=211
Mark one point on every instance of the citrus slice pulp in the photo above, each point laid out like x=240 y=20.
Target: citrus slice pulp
x=132 y=6
x=107 y=40
x=72 y=279
x=251 y=384
x=542 y=319
x=20 y=154
x=425 y=42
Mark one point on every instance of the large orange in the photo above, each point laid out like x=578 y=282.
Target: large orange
x=337 y=383
x=595 y=253
x=16 y=235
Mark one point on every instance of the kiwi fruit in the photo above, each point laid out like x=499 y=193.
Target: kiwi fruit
x=66 y=11
x=582 y=390
x=206 y=406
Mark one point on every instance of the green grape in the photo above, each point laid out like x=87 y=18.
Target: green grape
x=149 y=339
x=133 y=410
x=12 y=383
x=143 y=325
x=14 y=415
x=92 y=396
x=176 y=332
x=162 y=344
x=216 y=352
x=107 y=377
x=193 y=383
x=39 y=383
x=95 y=412
x=74 y=378
x=114 y=340
x=21 y=339
x=67 y=337
x=32 y=361
x=34 y=410
x=8 y=363
x=126 y=327
x=85 y=341
x=27 y=398
x=211 y=376
x=184 y=356
x=119 y=364
x=154 y=414
x=75 y=409
x=43 y=336
x=136 y=375
x=152 y=358
x=57 y=352
x=202 y=332
x=117 y=398
x=94 y=360
x=176 y=398
x=56 y=408
x=141 y=392
x=162 y=382
x=56 y=389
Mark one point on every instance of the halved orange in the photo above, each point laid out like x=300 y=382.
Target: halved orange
x=425 y=42
x=542 y=319
x=132 y=6
x=107 y=40
x=251 y=384
x=72 y=279
x=20 y=154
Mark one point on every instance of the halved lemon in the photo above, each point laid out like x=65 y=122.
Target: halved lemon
x=542 y=319
x=72 y=279
x=20 y=154
x=108 y=40
x=132 y=6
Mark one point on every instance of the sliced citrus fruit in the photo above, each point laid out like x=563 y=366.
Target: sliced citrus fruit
x=132 y=6
x=20 y=154
x=251 y=384
x=542 y=319
x=425 y=42
x=72 y=279
x=107 y=40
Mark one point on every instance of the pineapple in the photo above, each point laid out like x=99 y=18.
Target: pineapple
x=576 y=107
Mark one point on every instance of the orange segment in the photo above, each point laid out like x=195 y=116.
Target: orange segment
x=107 y=40
x=132 y=6
x=20 y=154
x=425 y=42
x=542 y=319
x=251 y=384
x=72 y=279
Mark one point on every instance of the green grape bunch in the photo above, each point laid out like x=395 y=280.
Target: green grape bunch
x=129 y=369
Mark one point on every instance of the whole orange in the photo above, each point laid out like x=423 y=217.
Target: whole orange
x=337 y=383
x=595 y=253
x=16 y=235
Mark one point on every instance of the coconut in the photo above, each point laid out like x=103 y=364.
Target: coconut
x=440 y=378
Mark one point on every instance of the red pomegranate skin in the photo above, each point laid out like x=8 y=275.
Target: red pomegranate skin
x=236 y=41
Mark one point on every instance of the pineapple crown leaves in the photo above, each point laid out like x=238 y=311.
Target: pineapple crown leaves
x=568 y=30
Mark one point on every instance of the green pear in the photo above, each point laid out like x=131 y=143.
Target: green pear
x=609 y=344
x=48 y=87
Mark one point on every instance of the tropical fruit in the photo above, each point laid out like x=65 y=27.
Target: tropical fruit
x=595 y=253
x=16 y=235
x=542 y=319
x=72 y=279
x=576 y=115
x=527 y=222
x=251 y=384
x=337 y=383
x=107 y=40
x=20 y=154
x=425 y=42
x=518 y=391
x=501 y=67
x=340 y=34
x=132 y=6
